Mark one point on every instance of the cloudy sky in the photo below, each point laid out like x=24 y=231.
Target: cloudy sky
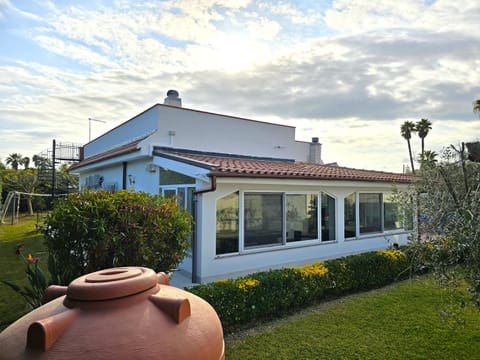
x=347 y=71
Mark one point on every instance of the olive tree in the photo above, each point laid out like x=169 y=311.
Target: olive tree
x=448 y=193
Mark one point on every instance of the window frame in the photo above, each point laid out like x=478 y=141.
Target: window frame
x=320 y=216
x=238 y=223
x=383 y=231
x=318 y=197
x=242 y=249
x=282 y=200
x=380 y=213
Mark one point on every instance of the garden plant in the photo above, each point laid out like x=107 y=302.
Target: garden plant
x=90 y=231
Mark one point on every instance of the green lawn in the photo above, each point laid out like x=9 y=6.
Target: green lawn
x=12 y=305
x=402 y=321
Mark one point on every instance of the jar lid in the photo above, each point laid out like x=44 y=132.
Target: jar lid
x=111 y=284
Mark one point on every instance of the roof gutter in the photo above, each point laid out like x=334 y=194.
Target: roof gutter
x=306 y=177
x=213 y=187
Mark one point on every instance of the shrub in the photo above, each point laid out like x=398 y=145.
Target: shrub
x=90 y=231
x=367 y=271
x=275 y=293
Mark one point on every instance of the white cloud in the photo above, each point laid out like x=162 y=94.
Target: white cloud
x=361 y=16
x=292 y=13
x=263 y=29
x=7 y=6
x=388 y=62
x=348 y=16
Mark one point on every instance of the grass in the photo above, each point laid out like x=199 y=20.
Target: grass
x=12 y=267
x=402 y=321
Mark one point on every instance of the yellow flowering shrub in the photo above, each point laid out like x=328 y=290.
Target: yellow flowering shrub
x=316 y=269
x=392 y=254
x=244 y=284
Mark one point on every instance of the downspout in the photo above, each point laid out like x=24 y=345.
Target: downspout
x=212 y=188
x=124 y=175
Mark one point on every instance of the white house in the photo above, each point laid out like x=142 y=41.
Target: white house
x=260 y=198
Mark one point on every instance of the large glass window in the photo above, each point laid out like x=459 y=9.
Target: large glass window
x=170 y=177
x=174 y=184
x=263 y=214
x=170 y=193
x=391 y=214
x=184 y=197
x=253 y=220
x=370 y=207
x=301 y=217
x=350 y=213
x=227 y=224
x=328 y=217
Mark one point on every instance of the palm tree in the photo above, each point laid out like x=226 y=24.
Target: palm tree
x=14 y=160
x=423 y=127
x=40 y=162
x=37 y=160
x=26 y=162
x=406 y=131
x=428 y=159
x=476 y=106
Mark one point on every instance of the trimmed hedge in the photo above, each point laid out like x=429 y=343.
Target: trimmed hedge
x=275 y=293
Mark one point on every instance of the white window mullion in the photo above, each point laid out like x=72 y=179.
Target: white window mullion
x=241 y=223
x=357 y=214
x=382 y=213
x=284 y=219
x=319 y=216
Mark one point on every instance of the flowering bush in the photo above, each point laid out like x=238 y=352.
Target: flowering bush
x=313 y=270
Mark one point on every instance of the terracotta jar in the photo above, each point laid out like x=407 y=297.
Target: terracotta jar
x=118 y=313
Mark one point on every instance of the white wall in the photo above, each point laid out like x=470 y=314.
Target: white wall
x=131 y=130
x=196 y=130
x=202 y=131
x=145 y=180
x=215 y=267
x=111 y=175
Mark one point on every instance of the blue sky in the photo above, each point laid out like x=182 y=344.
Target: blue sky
x=348 y=72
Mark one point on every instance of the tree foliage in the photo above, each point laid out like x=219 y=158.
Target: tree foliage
x=22 y=181
x=422 y=128
x=449 y=207
x=476 y=106
x=90 y=231
x=15 y=160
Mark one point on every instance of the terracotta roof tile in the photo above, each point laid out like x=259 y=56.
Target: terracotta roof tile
x=234 y=166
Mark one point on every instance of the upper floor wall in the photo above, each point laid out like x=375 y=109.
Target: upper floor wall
x=197 y=130
x=141 y=125
x=182 y=128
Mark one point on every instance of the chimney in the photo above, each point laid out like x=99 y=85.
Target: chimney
x=172 y=99
x=315 y=154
